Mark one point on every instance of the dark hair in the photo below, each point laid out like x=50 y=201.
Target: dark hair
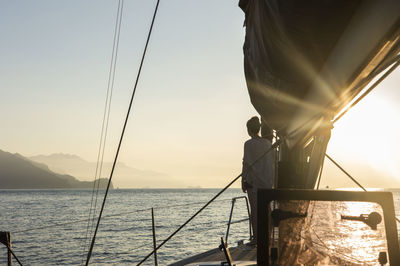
x=266 y=131
x=253 y=125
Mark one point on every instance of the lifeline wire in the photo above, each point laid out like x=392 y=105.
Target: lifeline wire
x=110 y=86
x=122 y=136
x=12 y=252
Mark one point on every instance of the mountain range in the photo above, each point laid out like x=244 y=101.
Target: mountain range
x=19 y=172
x=124 y=175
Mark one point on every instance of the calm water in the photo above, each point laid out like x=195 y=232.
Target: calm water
x=125 y=234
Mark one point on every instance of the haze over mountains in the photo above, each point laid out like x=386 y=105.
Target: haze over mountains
x=70 y=171
x=124 y=176
x=18 y=172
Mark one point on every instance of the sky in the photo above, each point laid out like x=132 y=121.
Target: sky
x=191 y=106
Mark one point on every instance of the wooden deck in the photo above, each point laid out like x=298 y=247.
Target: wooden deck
x=241 y=255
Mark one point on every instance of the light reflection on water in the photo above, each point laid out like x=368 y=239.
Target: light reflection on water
x=354 y=241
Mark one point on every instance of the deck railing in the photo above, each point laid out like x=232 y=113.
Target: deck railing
x=230 y=217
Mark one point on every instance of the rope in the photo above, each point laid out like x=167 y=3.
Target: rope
x=104 y=127
x=122 y=136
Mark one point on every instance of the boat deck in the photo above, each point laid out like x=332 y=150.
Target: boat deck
x=241 y=255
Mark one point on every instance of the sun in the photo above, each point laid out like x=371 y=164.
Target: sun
x=368 y=134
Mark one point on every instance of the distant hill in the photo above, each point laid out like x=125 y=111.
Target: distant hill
x=124 y=175
x=18 y=172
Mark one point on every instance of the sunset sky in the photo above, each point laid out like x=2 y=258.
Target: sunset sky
x=189 y=113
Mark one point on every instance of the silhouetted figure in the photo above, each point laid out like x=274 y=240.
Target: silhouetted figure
x=266 y=131
x=259 y=174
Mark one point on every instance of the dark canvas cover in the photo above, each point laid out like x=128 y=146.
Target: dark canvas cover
x=289 y=42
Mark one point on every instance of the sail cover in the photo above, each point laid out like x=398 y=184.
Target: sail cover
x=303 y=58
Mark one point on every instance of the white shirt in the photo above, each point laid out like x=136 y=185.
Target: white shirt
x=261 y=174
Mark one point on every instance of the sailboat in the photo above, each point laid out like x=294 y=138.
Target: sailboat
x=305 y=63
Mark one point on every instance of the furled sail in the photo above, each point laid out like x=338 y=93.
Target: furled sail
x=305 y=60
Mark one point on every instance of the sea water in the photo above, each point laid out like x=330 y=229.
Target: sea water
x=50 y=227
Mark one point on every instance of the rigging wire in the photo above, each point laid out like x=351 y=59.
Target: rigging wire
x=108 y=112
x=352 y=178
x=111 y=93
x=104 y=127
x=387 y=73
x=345 y=172
x=122 y=135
